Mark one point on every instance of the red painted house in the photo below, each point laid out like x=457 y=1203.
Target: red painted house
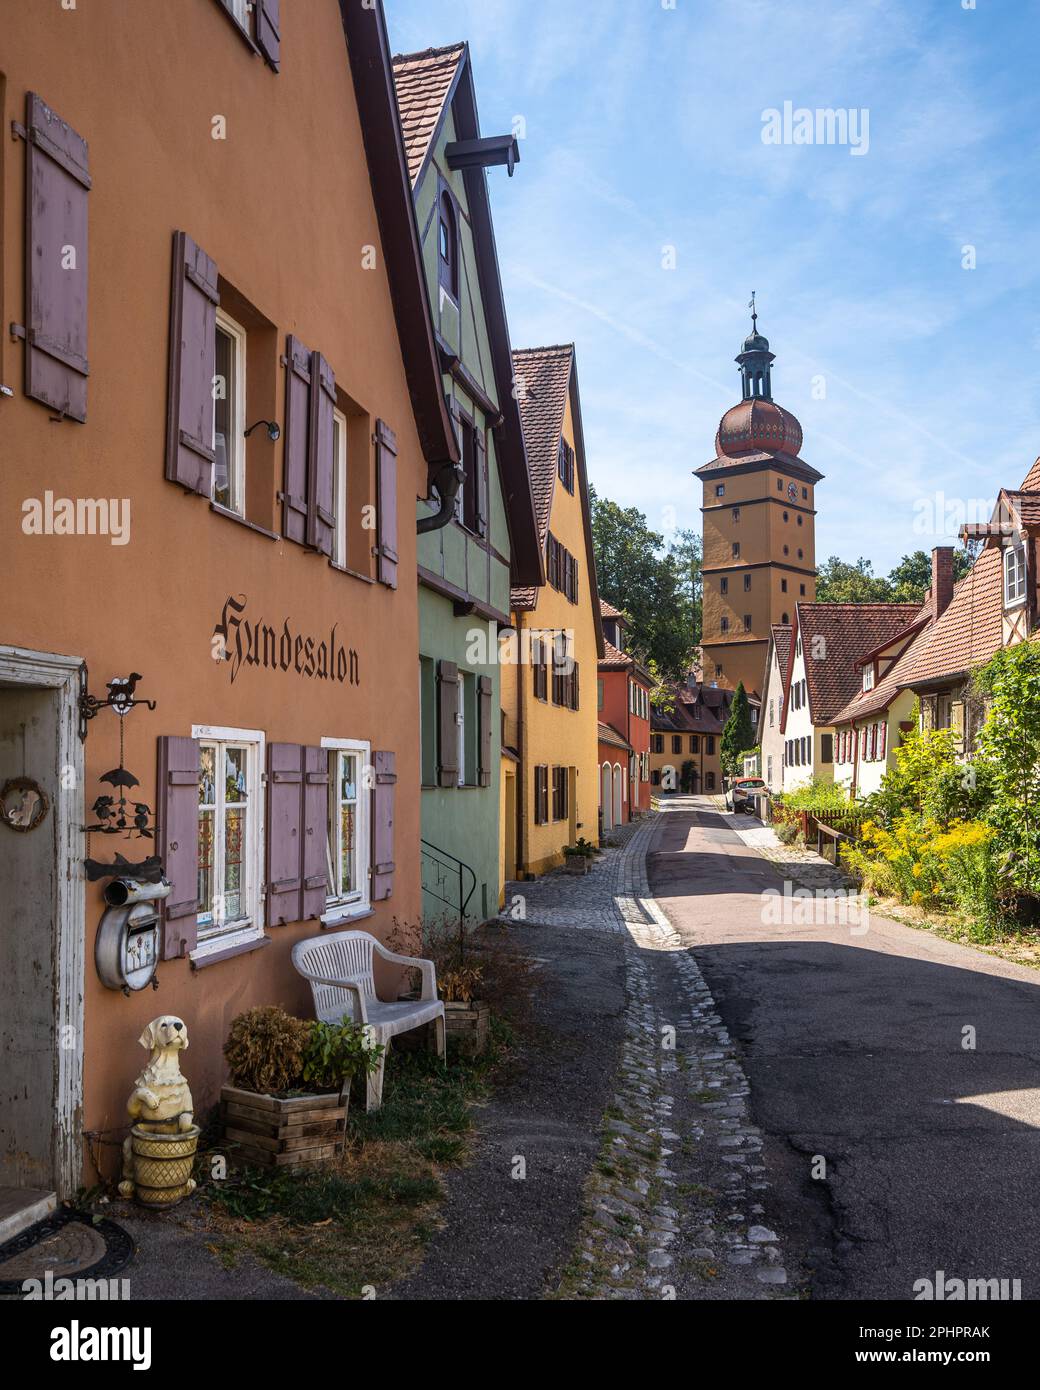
x=623 y=694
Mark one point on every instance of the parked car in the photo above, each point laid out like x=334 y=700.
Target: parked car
x=742 y=793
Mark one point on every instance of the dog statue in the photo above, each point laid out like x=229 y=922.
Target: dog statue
x=160 y=1102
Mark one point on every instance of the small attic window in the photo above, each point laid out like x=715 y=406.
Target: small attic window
x=448 y=247
x=868 y=676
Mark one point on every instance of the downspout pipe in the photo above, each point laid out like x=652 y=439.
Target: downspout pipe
x=447 y=480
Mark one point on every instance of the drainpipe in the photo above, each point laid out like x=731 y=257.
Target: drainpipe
x=521 y=739
x=447 y=480
x=855 y=758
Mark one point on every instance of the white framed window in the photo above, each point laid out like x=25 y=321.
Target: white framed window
x=349 y=827
x=231 y=837
x=339 y=487
x=239 y=11
x=1014 y=575
x=868 y=676
x=229 y=415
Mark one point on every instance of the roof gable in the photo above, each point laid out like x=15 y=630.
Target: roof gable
x=970 y=630
x=834 y=636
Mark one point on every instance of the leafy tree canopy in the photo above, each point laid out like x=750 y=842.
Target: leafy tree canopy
x=842 y=582
x=738 y=734
x=657 y=585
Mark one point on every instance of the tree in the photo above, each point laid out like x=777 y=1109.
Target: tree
x=656 y=586
x=908 y=582
x=1009 y=746
x=739 y=733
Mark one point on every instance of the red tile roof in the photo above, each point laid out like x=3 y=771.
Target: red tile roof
x=833 y=636
x=608 y=734
x=968 y=633
x=608 y=610
x=543 y=378
x=612 y=659
x=782 y=633
x=423 y=81
x=888 y=687
x=1031 y=482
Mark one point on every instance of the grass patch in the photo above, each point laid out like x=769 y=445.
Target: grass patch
x=363 y=1221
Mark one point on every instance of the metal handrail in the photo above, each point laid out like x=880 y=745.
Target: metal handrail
x=453 y=865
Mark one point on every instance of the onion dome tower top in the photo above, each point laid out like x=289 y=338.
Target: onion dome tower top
x=757 y=424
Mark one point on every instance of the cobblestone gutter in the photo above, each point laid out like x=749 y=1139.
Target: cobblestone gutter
x=676 y=1206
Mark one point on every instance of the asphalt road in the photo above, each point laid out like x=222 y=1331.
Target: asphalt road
x=854 y=1048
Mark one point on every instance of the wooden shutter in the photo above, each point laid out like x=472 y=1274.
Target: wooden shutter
x=284 y=842
x=386 y=504
x=193 y=335
x=321 y=457
x=57 y=183
x=883 y=738
x=314 y=886
x=480 y=465
x=383 y=825
x=177 y=841
x=447 y=724
x=574 y=687
x=484 y=691
x=268 y=30
x=296 y=451
x=541 y=794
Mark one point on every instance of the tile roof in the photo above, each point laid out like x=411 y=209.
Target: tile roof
x=690 y=713
x=793 y=465
x=612 y=659
x=608 y=734
x=1026 y=506
x=782 y=633
x=423 y=81
x=608 y=610
x=888 y=687
x=1031 y=482
x=848 y=630
x=970 y=630
x=543 y=378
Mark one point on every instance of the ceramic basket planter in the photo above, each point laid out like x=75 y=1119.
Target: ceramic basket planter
x=469 y=1024
x=269 y=1132
x=163 y=1165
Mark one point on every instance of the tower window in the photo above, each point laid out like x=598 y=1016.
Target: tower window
x=805 y=493
x=800 y=553
x=747 y=622
x=783 y=586
x=725 y=625
x=784 y=619
x=786 y=517
x=787 y=550
x=779 y=484
x=736 y=513
x=723 y=585
x=801 y=590
x=720 y=489
x=799 y=521
x=747 y=582
x=736 y=550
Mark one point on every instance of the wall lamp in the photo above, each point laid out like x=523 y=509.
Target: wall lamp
x=273 y=431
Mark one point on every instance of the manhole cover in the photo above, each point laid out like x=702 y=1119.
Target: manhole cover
x=69 y=1245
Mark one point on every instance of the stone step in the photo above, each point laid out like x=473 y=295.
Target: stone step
x=21 y=1207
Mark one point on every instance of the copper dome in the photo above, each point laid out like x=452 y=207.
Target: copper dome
x=758 y=426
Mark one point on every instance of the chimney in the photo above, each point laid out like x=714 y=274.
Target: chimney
x=942 y=578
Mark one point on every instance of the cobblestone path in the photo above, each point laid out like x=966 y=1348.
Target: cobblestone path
x=677 y=1206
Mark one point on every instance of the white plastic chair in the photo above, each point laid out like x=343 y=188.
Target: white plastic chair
x=339 y=968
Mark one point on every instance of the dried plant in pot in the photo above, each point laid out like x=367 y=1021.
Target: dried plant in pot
x=286 y=1104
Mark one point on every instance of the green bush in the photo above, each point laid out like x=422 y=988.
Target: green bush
x=818 y=795
x=334 y=1052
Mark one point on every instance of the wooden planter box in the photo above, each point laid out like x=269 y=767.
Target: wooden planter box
x=576 y=863
x=470 y=1023
x=272 y=1133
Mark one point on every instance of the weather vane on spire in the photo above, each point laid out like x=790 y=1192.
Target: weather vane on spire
x=754 y=312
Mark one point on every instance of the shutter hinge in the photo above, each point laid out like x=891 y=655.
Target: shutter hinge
x=18 y=131
x=5 y=390
x=17 y=330
x=263 y=779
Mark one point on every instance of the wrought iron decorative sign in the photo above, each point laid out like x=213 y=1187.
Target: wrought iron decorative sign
x=118 y=812
x=242 y=642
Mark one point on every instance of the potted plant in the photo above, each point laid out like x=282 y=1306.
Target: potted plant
x=465 y=1018
x=286 y=1104
x=577 y=857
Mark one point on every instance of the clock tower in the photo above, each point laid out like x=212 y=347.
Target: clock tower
x=758 y=513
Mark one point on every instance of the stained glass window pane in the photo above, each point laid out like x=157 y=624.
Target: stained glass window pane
x=346 y=835
x=207 y=783
x=348 y=775
x=206 y=865
x=235 y=788
x=234 y=840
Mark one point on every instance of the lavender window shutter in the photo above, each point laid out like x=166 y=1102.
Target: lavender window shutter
x=284 y=805
x=314 y=866
x=484 y=691
x=297 y=431
x=321 y=457
x=383 y=825
x=386 y=499
x=268 y=30
x=177 y=841
x=193 y=319
x=57 y=183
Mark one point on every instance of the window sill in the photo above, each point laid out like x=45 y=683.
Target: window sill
x=340 y=916
x=250 y=525
x=354 y=574
x=226 y=947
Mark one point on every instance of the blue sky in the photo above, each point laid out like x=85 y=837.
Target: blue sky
x=644 y=130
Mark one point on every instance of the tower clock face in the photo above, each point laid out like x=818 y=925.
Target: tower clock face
x=792 y=491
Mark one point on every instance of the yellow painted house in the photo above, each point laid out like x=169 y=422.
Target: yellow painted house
x=550 y=659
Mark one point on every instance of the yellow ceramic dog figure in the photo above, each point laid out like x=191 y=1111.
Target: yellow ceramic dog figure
x=160 y=1102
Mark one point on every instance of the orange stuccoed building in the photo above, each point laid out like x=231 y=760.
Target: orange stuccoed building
x=623 y=701
x=221 y=402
